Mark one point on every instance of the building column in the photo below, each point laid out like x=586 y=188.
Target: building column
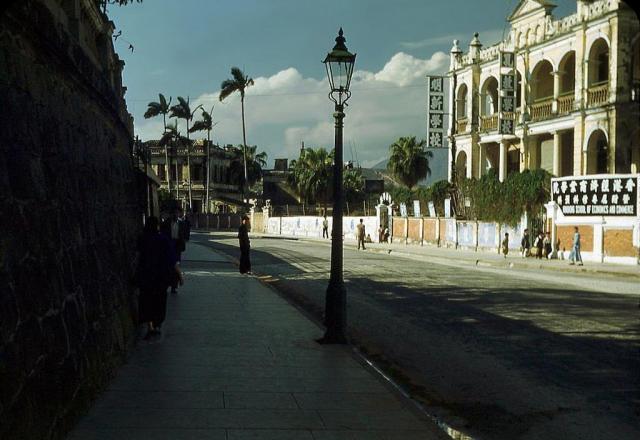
x=502 y=169
x=556 y=90
x=557 y=153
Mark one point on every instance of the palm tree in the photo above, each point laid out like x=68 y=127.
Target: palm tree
x=311 y=175
x=239 y=83
x=172 y=137
x=161 y=108
x=409 y=161
x=206 y=123
x=182 y=111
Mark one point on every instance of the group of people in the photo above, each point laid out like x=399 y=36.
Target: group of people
x=542 y=246
x=159 y=255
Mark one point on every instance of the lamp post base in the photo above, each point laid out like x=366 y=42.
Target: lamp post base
x=335 y=314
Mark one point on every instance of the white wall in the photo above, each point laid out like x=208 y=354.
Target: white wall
x=308 y=226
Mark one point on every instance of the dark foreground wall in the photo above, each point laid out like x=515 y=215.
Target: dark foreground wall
x=68 y=216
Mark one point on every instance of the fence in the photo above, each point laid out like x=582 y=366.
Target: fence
x=215 y=221
x=454 y=233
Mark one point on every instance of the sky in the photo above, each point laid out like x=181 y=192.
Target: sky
x=187 y=48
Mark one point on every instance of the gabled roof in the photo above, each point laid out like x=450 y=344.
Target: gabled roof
x=525 y=7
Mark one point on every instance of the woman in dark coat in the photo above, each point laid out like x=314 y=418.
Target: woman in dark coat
x=156 y=265
x=245 y=246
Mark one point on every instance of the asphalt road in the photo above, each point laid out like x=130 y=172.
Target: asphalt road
x=496 y=353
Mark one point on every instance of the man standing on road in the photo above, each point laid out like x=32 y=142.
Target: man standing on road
x=575 y=250
x=245 y=246
x=325 y=227
x=360 y=234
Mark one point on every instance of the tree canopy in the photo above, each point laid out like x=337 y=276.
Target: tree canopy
x=409 y=161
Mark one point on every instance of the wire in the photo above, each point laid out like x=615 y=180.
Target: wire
x=260 y=95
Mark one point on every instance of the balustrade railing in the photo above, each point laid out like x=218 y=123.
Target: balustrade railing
x=461 y=125
x=566 y=103
x=597 y=95
x=489 y=123
x=541 y=109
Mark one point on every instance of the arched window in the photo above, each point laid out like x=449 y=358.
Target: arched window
x=597 y=153
x=461 y=102
x=598 y=63
x=542 y=81
x=567 y=70
x=461 y=165
x=489 y=92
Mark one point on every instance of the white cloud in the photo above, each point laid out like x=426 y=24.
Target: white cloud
x=286 y=108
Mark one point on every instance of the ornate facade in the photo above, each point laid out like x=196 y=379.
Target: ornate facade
x=577 y=93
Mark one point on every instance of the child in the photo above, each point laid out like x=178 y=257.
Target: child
x=505 y=245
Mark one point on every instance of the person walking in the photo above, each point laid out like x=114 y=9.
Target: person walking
x=505 y=245
x=184 y=228
x=245 y=245
x=539 y=243
x=325 y=227
x=547 y=245
x=575 y=249
x=165 y=230
x=178 y=244
x=525 y=244
x=157 y=264
x=360 y=234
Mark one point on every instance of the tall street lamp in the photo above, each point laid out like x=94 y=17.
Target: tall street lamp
x=339 y=64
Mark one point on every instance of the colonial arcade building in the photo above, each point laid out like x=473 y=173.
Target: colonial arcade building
x=577 y=104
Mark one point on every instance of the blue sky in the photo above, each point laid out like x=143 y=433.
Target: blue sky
x=187 y=47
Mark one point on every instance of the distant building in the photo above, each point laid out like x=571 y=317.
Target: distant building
x=275 y=187
x=223 y=193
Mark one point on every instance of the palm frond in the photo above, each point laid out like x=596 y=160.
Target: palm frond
x=153 y=110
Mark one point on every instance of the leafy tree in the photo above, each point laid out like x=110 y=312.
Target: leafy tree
x=352 y=184
x=311 y=175
x=400 y=194
x=255 y=161
x=409 y=161
x=182 y=110
x=161 y=108
x=440 y=190
x=238 y=83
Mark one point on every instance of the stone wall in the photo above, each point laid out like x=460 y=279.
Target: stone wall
x=69 y=217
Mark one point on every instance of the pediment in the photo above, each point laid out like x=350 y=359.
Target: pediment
x=531 y=8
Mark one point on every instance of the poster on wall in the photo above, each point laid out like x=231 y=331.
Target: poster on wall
x=432 y=210
x=447 y=208
x=598 y=195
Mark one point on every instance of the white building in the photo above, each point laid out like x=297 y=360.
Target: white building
x=577 y=106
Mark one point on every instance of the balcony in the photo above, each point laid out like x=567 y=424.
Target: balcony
x=541 y=109
x=461 y=125
x=489 y=123
x=566 y=103
x=598 y=94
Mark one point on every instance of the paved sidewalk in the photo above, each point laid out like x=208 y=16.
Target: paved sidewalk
x=451 y=256
x=236 y=361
